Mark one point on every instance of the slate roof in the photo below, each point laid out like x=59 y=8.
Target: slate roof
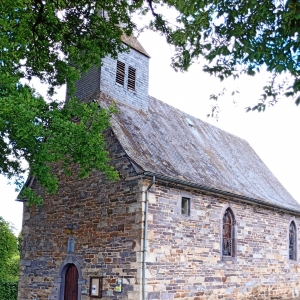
x=132 y=42
x=161 y=141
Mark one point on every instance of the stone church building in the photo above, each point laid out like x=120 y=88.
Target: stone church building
x=195 y=215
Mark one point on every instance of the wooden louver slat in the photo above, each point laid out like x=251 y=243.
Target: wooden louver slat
x=131 y=78
x=120 y=75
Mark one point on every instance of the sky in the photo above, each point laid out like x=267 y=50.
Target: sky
x=273 y=134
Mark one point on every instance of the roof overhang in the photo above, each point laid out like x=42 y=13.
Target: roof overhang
x=217 y=192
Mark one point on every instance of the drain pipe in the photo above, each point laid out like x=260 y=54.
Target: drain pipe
x=145 y=239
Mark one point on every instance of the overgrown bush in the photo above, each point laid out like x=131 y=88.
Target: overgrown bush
x=8 y=290
x=9 y=262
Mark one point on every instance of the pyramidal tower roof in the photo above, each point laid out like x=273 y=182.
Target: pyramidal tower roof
x=132 y=42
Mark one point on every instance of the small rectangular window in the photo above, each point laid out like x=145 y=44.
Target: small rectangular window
x=120 y=76
x=185 y=206
x=131 y=78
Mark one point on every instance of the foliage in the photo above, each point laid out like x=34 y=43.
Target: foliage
x=45 y=133
x=48 y=40
x=12 y=268
x=9 y=254
x=9 y=262
x=238 y=37
x=56 y=41
x=8 y=290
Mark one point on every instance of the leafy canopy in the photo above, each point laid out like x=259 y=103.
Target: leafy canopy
x=58 y=40
x=9 y=254
x=238 y=37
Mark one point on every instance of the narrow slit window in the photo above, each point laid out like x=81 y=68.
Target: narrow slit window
x=185 y=206
x=292 y=241
x=131 y=78
x=227 y=234
x=120 y=76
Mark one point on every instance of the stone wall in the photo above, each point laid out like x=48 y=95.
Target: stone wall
x=103 y=79
x=104 y=220
x=184 y=261
x=88 y=86
x=183 y=256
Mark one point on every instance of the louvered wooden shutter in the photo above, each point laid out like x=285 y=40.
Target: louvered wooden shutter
x=120 y=76
x=131 y=78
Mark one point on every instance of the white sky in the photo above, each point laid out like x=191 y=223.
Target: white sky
x=273 y=134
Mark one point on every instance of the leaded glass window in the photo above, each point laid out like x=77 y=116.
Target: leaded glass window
x=292 y=241
x=227 y=233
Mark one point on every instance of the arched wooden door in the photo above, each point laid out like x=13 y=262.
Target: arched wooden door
x=71 y=283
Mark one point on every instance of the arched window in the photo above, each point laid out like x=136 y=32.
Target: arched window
x=228 y=234
x=292 y=241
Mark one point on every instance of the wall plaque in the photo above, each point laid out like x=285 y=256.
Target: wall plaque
x=96 y=287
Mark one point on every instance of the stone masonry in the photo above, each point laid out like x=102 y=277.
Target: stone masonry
x=103 y=79
x=108 y=86
x=184 y=261
x=103 y=217
x=183 y=256
x=190 y=159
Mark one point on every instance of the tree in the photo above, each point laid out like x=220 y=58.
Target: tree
x=48 y=39
x=9 y=253
x=9 y=262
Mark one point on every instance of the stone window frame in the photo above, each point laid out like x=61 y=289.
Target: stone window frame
x=188 y=204
x=232 y=258
x=189 y=195
x=292 y=220
x=60 y=280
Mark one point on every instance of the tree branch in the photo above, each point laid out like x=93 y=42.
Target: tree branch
x=157 y=16
x=40 y=15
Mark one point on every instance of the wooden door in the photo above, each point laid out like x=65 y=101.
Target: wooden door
x=71 y=283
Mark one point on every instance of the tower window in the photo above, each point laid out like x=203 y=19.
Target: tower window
x=120 y=76
x=131 y=78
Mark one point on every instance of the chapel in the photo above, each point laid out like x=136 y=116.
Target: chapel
x=195 y=215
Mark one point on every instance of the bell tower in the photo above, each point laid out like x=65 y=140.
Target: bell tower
x=125 y=79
